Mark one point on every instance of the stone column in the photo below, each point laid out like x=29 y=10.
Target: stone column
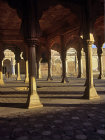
x=13 y=69
x=33 y=100
x=1 y=75
x=49 y=66
x=90 y=91
x=26 y=74
x=17 y=57
x=86 y=59
x=64 y=78
x=31 y=32
x=39 y=69
x=18 y=71
x=66 y=67
x=100 y=54
x=63 y=59
x=75 y=63
x=40 y=74
x=25 y=56
x=80 y=68
x=13 y=66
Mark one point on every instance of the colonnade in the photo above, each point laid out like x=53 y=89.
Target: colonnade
x=64 y=68
x=31 y=33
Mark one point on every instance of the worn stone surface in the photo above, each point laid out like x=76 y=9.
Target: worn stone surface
x=64 y=116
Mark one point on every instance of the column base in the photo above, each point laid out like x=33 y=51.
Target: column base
x=18 y=78
x=80 y=76
x=40 y=77
x=1 y=82
x=49 y=79
x=33 y=101
x=90 y=93
x=101 y=77
x=64 y=80
x=26 y=80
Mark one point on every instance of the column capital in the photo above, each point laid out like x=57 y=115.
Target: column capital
x=33 y=42
x=90 y=42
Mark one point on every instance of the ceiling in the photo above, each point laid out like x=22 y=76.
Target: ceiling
x=54 y=20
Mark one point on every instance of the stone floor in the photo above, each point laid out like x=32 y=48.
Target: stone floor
x=65 y=115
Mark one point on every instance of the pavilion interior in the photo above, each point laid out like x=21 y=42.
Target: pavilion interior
x=32 y=30
x=35 y=28
x=52 y=69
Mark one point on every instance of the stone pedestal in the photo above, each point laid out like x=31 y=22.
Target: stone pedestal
x=33 y=100
x=90 y=91
x=26 y=76
x=18 y=71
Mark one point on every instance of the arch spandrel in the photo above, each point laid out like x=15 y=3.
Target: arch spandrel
x=74 y=42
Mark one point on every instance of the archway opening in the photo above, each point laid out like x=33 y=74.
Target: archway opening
x=95 y=63
x=7 y=66
x=71 y=62
x=8 y=62
x=56 y=67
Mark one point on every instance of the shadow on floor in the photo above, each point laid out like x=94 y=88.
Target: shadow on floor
x=14 y=105
x=71 y=105
x=61 y=97
x=13 y=92
x=60 y=92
